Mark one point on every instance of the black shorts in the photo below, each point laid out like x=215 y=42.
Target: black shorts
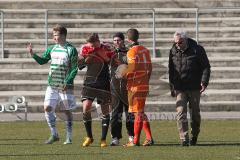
x=102 y=94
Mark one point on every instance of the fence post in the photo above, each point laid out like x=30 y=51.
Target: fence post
x=109 y=9
x=154 y=35
x=46 y=29
x=26 y=111
x=197 y=25
x=2 y=36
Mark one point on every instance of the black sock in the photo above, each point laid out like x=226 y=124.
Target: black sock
x=105 y=125
x=88 y=127
x=130 y=124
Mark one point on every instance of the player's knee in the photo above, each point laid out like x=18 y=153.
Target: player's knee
x=87 y=105
x=68 y=115
x=145 y=118
x=48 y=108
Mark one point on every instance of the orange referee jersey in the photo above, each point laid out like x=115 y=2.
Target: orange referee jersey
x=138 y=75
x=139 y=68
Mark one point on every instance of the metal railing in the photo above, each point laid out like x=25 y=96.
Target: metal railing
x=211 y=10
x=2 y=34
x=196 y=11
x=103 y=10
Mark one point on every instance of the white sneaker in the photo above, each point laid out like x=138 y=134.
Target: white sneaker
x=130 y=138
x=68 y=141
x=115 y=142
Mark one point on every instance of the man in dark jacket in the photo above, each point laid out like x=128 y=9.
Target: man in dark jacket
x=119 y=94
x=189 y=73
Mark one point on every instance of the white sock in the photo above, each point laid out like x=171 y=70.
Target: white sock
x=51 y=120
x=69 y=129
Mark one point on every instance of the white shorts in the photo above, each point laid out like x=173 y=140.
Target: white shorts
x=54 y=97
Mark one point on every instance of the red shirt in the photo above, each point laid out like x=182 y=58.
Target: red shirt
x=102 y=54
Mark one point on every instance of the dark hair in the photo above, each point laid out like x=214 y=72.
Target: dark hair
x=93 y=37
x=120 y=35
x=61 y=29
x=133 y=34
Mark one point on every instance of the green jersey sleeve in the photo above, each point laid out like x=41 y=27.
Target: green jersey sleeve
x=46 y=56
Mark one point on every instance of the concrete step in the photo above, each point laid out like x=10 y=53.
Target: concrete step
x=27 y=63
x=213 y=84
x=224 y=84
x=21 y=63
x=88 y=13
x=158 y=106
x=228 y=51
x=41 y=85
x=19 y=69
x=29 y=74
x=154 y=95
x=42 y=74
x=126 y=20
x=224 y=72
x=217 y=115
x=224 y=61
x=220 y=53
x=155 y=85
x=204 y=31
x=18 y=47
x=160 y=73
x=208 y=95
x=36 y=42
x=113 y=19
x=146 y=33
x=167 y=20
x=209 y=106
x=76 y=4
x=212 y=51
x=35 y=101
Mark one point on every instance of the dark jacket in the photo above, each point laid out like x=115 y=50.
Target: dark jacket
x=118 y=86
x=189 y=68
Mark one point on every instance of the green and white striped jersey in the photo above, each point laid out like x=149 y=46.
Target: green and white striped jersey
x=63 y=67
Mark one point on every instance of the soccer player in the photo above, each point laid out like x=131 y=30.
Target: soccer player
x=96 y=56
x=119 y=94
x=138 y=75
x=63 y=69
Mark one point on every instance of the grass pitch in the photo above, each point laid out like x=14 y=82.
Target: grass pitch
x=218 y=140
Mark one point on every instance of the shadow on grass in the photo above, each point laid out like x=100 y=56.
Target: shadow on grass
x=20 y=144
x=166 y=144
x=8 y=141
x=219 y=143
x=50 y=154
x=19 y=139
x=203 y=143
